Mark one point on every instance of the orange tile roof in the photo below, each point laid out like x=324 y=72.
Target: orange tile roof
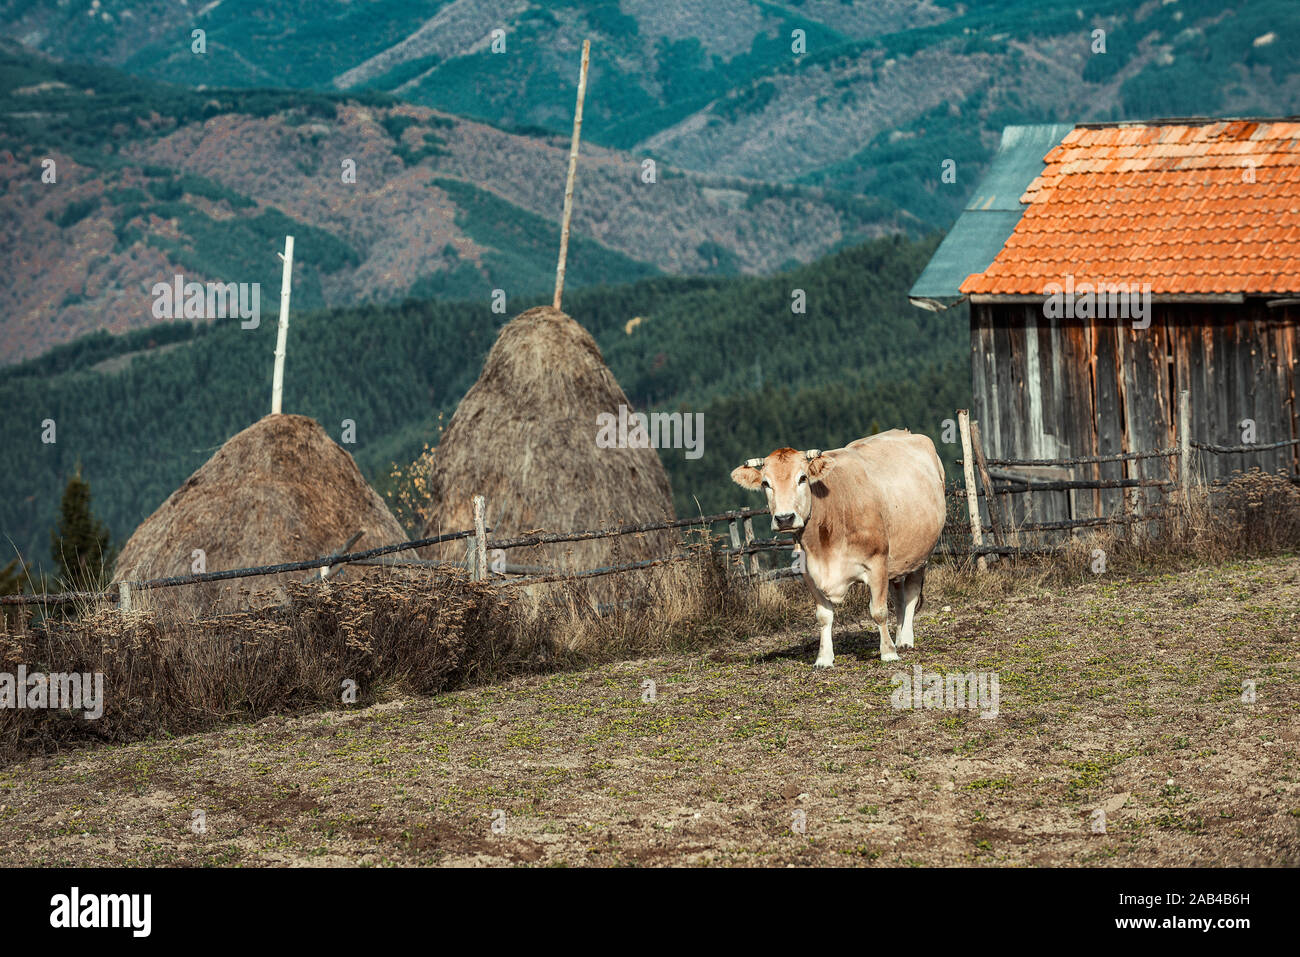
x=1199 y=208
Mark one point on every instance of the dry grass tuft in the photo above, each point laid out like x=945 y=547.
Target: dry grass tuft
x=169 y=673
x=1254 y=515
x=166 y=672
x=667 y=608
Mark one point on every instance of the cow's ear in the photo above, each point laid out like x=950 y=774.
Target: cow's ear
x=747 y=477
x=818 y=467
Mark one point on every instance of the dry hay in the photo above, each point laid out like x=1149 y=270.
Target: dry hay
x=524 y=437
x=279 y=491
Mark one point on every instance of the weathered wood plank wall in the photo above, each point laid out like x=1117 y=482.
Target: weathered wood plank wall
x=1065 y=388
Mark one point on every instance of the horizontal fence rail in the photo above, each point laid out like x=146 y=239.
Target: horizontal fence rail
x=597 y=572
x=533 y=574
x=1250 y=447
x=553 y=538
x=1017 y=486
x=744 y=551
x=1084 y=460
x=1065 y=485
x=233 y=573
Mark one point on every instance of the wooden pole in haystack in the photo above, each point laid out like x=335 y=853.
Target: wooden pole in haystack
x=573 y=171
x=282 y=335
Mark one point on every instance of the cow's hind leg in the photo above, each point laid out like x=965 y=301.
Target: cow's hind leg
x=878 y=581
x=913 y=585
x=896 y=598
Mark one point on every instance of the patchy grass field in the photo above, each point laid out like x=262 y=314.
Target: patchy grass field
x=1120 y=694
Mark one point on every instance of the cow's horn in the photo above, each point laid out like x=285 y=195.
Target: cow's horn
x=812 y=454
x=754 y=463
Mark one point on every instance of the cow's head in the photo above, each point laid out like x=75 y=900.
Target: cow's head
x=786 y=478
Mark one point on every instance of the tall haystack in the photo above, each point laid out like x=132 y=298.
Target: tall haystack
x=279 y=491
x=525 y=437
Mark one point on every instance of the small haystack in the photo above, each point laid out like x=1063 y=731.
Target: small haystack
x=525 y=437
x=279 y=491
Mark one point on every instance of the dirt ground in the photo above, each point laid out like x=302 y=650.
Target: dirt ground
x=1119 y=694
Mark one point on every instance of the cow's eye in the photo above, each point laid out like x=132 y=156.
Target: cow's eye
x=765 y=485
x=803 y=480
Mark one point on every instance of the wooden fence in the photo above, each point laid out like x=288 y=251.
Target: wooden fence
x=986 y=492
x=479 y=546
x=1139 y=514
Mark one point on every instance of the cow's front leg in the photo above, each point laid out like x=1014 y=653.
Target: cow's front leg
x=878 y=582
x=825 y=619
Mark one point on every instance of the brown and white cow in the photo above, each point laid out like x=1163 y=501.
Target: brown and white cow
x=870 y=512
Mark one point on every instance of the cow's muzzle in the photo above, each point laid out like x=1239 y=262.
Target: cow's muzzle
x=784 y=522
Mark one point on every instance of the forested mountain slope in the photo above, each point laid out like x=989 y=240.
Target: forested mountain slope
x=141 y=412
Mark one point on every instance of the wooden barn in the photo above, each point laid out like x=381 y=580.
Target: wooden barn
x=1108 y=267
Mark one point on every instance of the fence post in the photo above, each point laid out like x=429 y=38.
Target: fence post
x=1185 y=446
x=749 y=540
x=733 y=527
x=990 y=498
x=124 y=596
x=326 y=571
x=972 y=499
x=478 y=544
x=1130 y=503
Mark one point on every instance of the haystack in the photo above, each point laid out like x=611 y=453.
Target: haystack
x=524 y=436
x=279 y=491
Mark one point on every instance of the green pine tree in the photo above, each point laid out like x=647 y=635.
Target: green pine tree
x=12 y=578
x=80 y=542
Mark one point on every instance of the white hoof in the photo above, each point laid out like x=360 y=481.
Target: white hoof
x=891 y=656
x=824 y=663
x=904 y=643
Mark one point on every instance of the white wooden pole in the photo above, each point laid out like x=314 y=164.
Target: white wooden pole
x=282 y=334
x=1185 y=446
x=573 y=170
x=972 y=500
x=478 y=563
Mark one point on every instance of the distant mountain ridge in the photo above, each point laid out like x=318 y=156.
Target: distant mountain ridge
x=155 y=180
x=865 y=96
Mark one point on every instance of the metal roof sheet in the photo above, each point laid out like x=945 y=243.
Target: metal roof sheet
x=990 y=215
